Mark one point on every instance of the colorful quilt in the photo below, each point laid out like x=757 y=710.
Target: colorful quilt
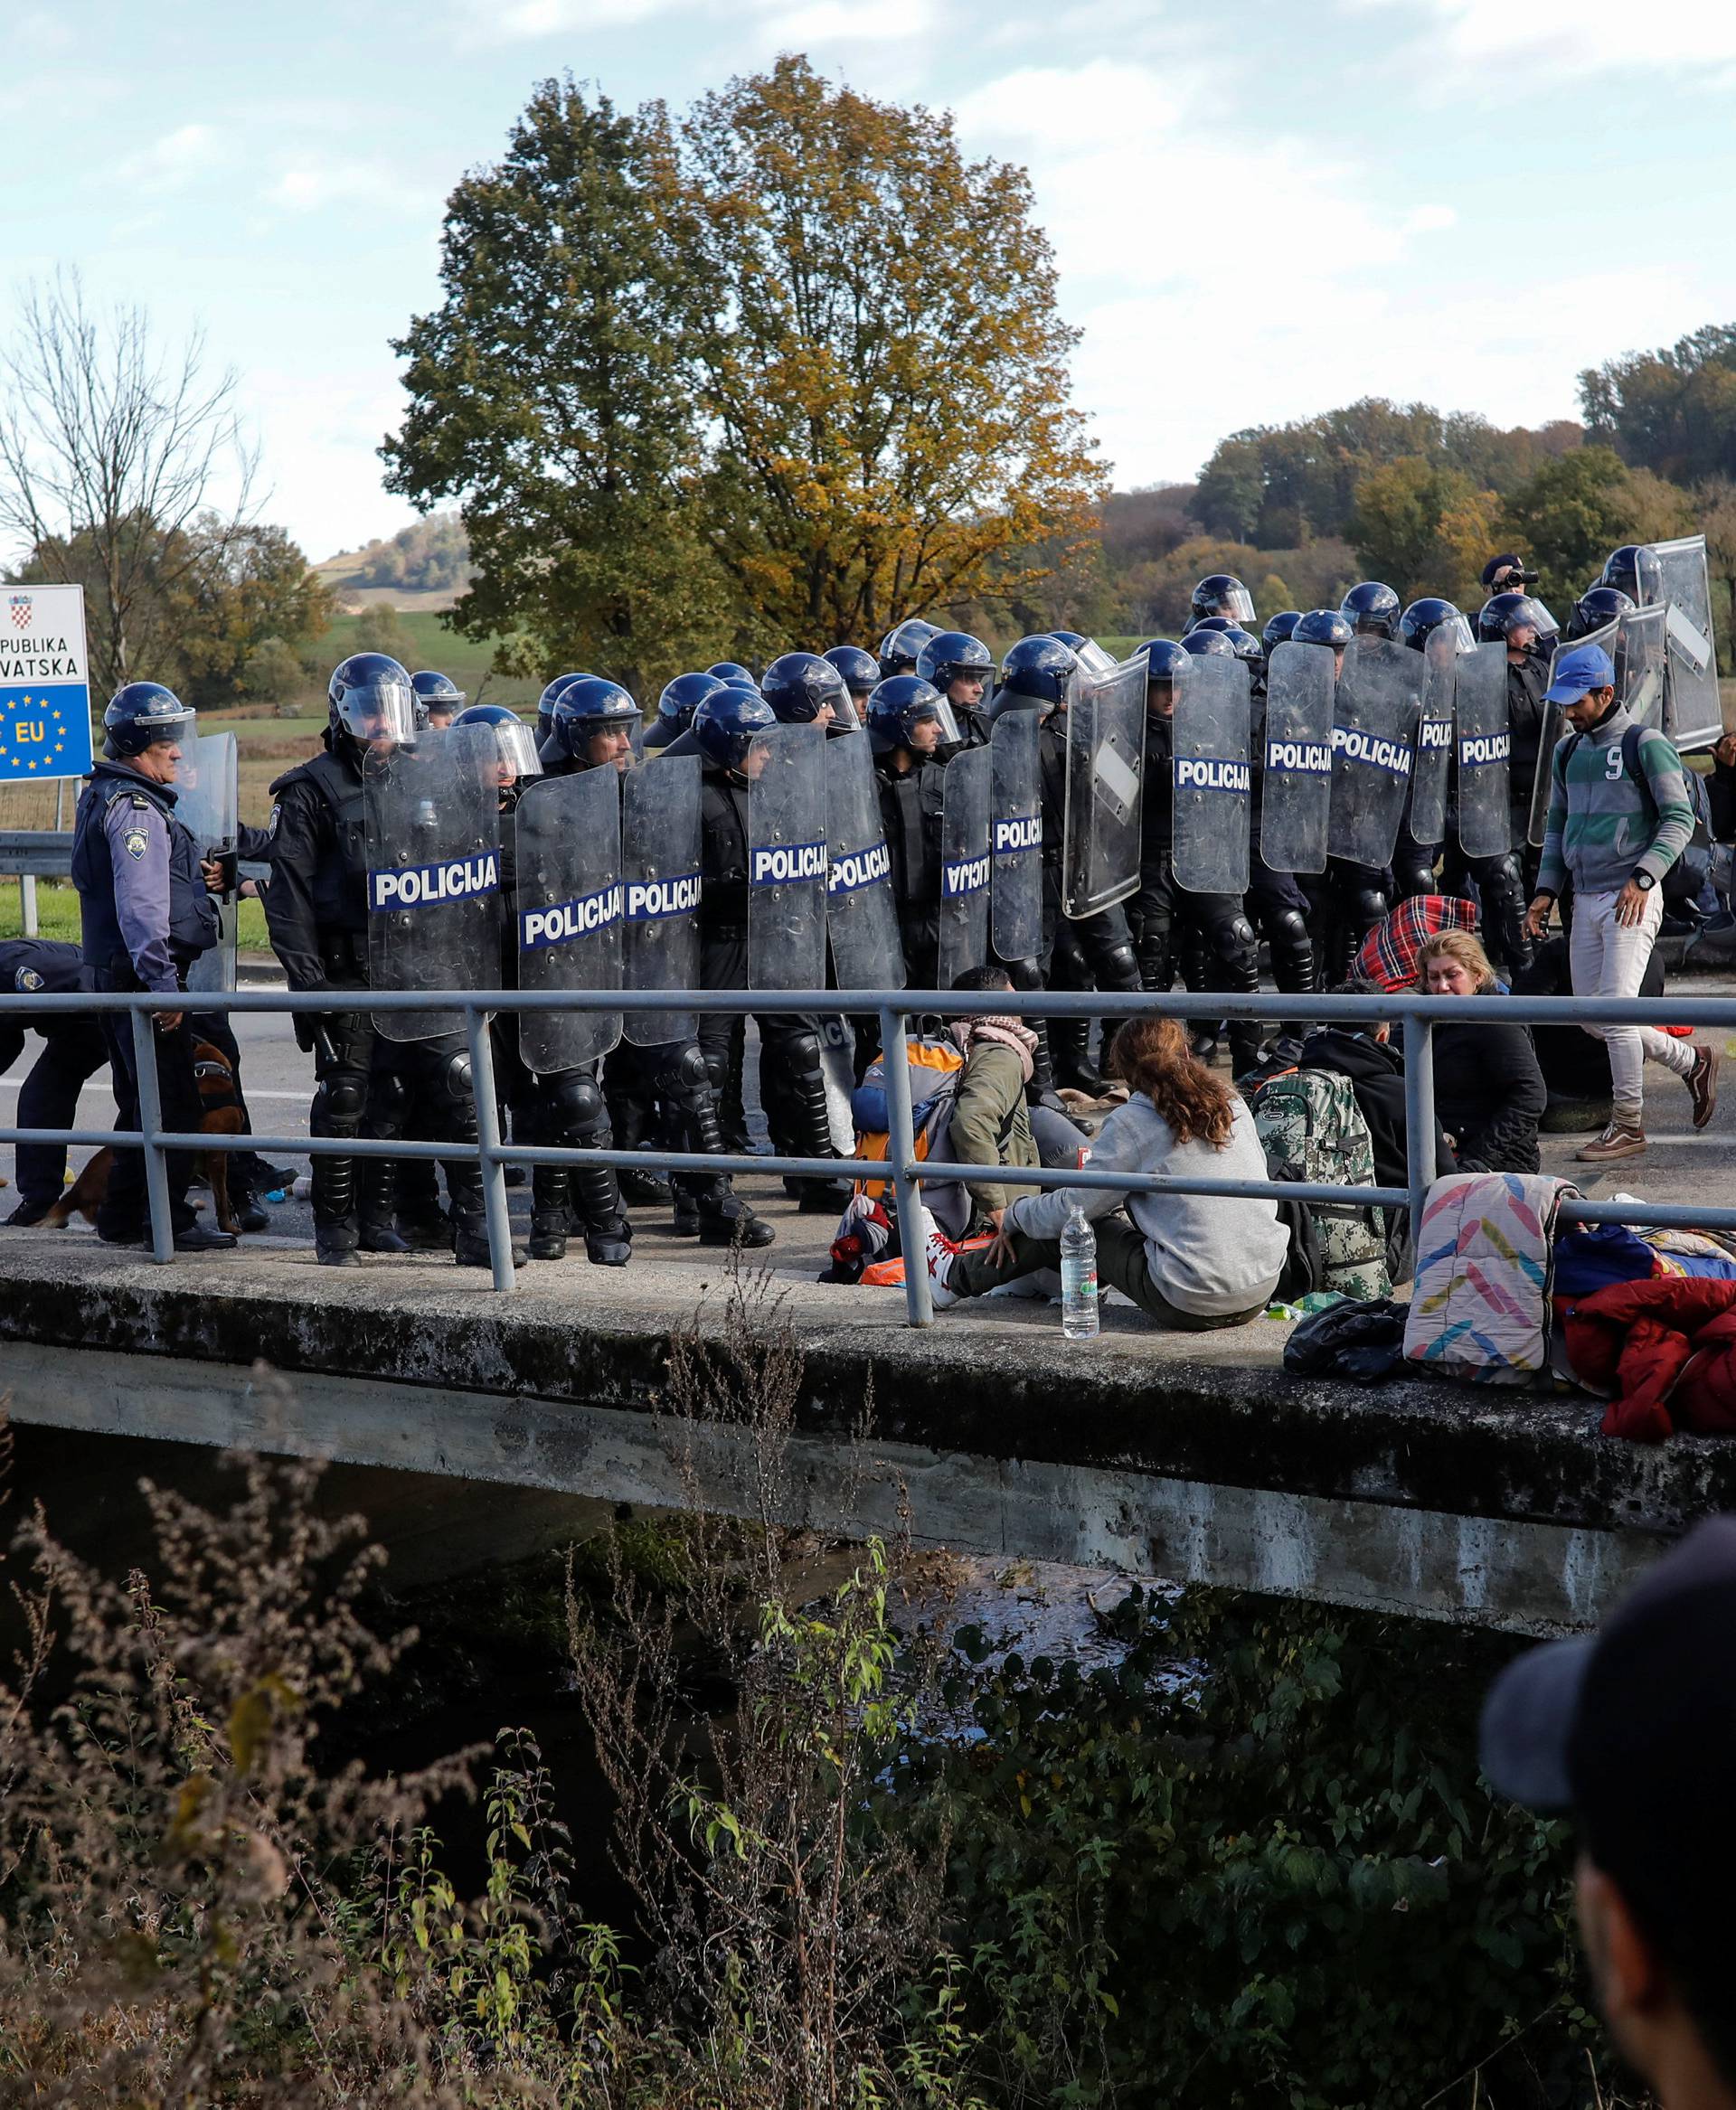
x=1480 y=1304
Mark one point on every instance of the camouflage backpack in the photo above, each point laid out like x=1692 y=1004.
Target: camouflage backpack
x=1312 y=1129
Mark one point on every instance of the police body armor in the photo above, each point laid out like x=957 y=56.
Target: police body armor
x=193 y=918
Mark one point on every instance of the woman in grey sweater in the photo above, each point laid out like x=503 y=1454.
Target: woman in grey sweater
x=1190 y=1261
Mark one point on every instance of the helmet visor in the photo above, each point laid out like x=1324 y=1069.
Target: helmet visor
x=1237 y=603
x=933 y=710
x=1095 y=660
x=382 y=714
x=1459 y=629
x=155 y=733
x=518 y=754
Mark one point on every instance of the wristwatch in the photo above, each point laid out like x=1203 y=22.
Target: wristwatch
x=1645 y=882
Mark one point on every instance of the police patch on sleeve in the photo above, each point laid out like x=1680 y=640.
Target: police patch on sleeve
x=271 y=825
x=135 y=842
x=27 y=982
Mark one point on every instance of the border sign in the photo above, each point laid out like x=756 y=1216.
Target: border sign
x=44 y=684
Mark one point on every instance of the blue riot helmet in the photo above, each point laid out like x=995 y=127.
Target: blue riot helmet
x=1214 y=623
x=584 y=708
x=514 y=741
x=1278 y=631
x=683 y=696
x=545 y=704
x=952 y=656
x=1165 y=658
x=1596 y=609
x=1087 y=651
x=1371 y=609
x=731 y=670
x=902 y=643
x=860 y=669
x=726 y=723
x=1209 y=644
x=1220 y=593
x=370 y=697
x=801 y=686
x=1423 y=617
x=900 y=707
x=1504 y=613
x=1322 y=626
x=436 y=694
x=1034 y=676
x=1635 y=571
x=142 y=715
x=1247 y=647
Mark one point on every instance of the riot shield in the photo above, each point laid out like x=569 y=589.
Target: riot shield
x=568 y=905
x=1105 y=759
x=787 y=859
x=1440 y=660
x=1608 y=639
x=1214 y=779
x=433 y=832
x=1642 y=655
x=966 y=799
x=660 y=893
x=860 y=915
x=1015 y=906
x=1485 y=748
x=1693 y=716
x=1296 y=790
x=1376 y=712
x=207 y=801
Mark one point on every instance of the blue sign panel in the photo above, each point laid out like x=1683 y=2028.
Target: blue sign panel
x=44 y=692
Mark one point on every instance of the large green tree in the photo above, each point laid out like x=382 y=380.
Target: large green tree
x=1672 y=410
x=1424 y=527
x=884 y=368
x=551 y=395
x=1573 y=511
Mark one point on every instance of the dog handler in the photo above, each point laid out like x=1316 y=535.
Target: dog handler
x=144 y=898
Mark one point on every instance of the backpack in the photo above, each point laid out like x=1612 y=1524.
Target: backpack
x=1693 y=868
x=1311 y=1129
x=936 y=1068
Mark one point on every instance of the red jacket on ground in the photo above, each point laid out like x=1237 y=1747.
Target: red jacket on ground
x=1666 y=1350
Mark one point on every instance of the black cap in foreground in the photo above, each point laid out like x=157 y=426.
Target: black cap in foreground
x=1633 y=1730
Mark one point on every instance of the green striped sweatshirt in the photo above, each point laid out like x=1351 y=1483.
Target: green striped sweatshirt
x=1600 y=830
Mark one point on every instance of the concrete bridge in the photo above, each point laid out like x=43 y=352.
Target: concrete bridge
x=1190 y=1456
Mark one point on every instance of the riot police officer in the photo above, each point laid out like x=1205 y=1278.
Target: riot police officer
x=148 y=914
x=73 y=1050
x=1220 y=593
x=1596 y=607
x=438 y=699
x=316 y=909
x=803 y=689
x=592 y=728
x=902 y=643
x=731 y=670
x=1505 y=883
x=1371 y=609
x=909 y=724
x=792 y=1071
x=1414 y=862
x=961 y=667
x=675 y=708
x=1349 y=898
x=861 y=672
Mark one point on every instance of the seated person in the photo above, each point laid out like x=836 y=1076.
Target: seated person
x=990 y=1119
x=1192 y=1262
x=1374 y=1065
x=1489 y=1093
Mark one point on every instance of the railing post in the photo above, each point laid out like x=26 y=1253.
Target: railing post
x=901 y=1146
x=1419 y=1117
x=150 y=1124
x=494 y=1174
x=27 y=904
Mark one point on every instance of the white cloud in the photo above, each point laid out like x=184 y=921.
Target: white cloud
x=764 y=25
x=320 y=430
x=1430 y=219
x=173 y=159
x=344 y=183
x=1567 y=37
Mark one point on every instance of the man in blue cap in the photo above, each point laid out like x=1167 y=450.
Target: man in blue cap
x=1620 y=816
x=1632 y=1732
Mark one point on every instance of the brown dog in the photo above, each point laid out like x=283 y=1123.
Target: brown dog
x=219 y=1114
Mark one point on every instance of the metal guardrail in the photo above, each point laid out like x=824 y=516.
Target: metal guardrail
x=1418 y=1014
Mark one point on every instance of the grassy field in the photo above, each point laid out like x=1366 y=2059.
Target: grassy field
x=57 y=914
x=467 y=662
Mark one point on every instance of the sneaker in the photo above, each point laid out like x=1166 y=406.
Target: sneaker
x=1619 y=1139
x=941 y=1253
x=1702 y=1084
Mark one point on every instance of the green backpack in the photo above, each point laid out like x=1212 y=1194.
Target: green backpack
x=1312 y=1129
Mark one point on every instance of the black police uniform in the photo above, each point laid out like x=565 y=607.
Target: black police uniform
x=1506 y=884
x=73 y=1050
x=1087 y=952
x=191 y=923
x=911 y=806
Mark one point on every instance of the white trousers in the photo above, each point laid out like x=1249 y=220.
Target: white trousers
x=1608 y=960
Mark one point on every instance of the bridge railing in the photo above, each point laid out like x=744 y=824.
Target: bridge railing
x=1415 y=1014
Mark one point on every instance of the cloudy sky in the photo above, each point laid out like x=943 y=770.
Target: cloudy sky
x=1260 y=209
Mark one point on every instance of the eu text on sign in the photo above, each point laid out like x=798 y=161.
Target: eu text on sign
x=44 y=684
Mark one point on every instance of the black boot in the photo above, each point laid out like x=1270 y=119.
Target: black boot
x=336 y=1227
x=379 y=1183
x=1070 y=1042
x=732 y=1112
x=550 y=1212
x=812 y=1122
x=726 y=1219
x=470 y=1248
x=608 y=1236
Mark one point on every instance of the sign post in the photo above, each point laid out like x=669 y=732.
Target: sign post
x=44 y=686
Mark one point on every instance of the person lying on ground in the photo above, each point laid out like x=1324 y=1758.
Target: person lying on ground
x=1192 y=1262
x=1489 y=1093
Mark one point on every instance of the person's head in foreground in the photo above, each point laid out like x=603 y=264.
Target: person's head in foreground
x=1153 y=1056
x=1632 y=1731
x=1453 y=963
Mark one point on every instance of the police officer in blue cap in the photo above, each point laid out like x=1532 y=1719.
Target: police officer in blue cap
x=146 y=902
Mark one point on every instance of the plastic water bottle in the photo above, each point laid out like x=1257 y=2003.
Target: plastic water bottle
x=1079 y=1319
